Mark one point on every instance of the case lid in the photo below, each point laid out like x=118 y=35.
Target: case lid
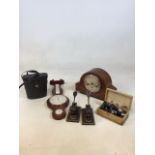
x=115 y=97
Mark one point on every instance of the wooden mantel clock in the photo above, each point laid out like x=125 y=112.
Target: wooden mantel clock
x=95 y=81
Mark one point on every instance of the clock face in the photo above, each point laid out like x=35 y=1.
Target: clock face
x=92 y=83
x=58 y=99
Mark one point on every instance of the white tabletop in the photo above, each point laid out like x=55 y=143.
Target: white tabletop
x=41 y=135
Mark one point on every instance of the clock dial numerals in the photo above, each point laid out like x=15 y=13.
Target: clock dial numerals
x=92 y=83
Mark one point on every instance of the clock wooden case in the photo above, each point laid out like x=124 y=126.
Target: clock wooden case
x=96 y=81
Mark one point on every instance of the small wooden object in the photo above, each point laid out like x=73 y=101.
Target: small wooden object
x=58 y=102
x=118 y=99
x=74 y=111
x=87 y=113
x=95 y=81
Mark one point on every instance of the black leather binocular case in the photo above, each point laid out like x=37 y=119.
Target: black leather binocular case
x=35 y=84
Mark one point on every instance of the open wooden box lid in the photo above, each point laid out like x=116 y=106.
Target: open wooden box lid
x=115 y=97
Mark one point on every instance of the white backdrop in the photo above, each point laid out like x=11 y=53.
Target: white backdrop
x=67 y=38
x=66 y=33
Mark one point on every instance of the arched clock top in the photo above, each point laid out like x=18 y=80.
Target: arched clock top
x=95 y=81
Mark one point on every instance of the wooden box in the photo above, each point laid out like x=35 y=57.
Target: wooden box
x=119 y=99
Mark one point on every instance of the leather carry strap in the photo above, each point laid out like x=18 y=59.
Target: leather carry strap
x=21 y=85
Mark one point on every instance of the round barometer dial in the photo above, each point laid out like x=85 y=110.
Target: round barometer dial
x=58 y=99
x=92 y=83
